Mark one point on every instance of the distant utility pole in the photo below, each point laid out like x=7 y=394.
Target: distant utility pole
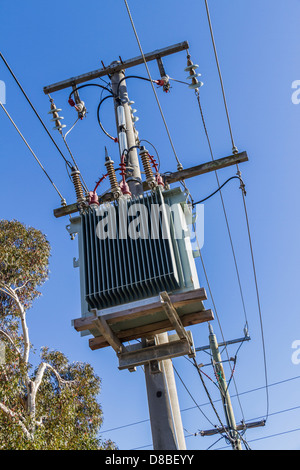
x=226 y=400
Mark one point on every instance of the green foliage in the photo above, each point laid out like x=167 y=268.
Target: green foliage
x=66 y=414
x=24 y=257
x=69 y=414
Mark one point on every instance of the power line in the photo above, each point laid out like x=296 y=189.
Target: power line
x=251 y=440
x=197 y=403
x=63 y=201
x=208 y=403
x=234 y=149
x=217 y=190
x=258 y=302
x=224 y=211
x=218 y=319
x=34 y=110
x=268 y=437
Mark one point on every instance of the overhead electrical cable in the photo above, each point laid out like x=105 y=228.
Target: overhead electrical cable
x=234 y=149
x=208 y=403
x=153 y=88
x=259 y=305
x=87 y=85
x=74 y=161
x=218 y=417
x=59 y=127
x=34 y=110
x=132 y=76
x=225 y=213
x=63 y=201
x=217 y=316
x=115 y=139
x=217 y=190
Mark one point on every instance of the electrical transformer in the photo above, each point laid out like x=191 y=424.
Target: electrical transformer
x=133 y=249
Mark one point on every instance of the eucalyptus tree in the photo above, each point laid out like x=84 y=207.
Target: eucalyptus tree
x=54 y=405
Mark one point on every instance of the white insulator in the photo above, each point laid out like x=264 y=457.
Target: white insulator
x=80 y=106
x=55 y=110
x=191 y=67
x=135 y=119
x=58 y=118
x=195 y=75
x=122 y=141
x=121 y=116
x=133 y=111
x=59 y=128
x=193 y=86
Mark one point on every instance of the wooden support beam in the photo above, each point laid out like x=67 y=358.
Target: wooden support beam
x=170 y=178
x=153 y=329
x=116 y=67
x=173 y=316
x=116 y=314
x=108 y=334
x=158 y=352
x=203 y=168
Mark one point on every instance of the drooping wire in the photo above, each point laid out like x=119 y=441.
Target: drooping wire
x=34 y=110
x=89 y=84
x=99 y=120
x=71 y=128
x=153 y=88
x=157 y=154
x=217 y=190
x=131 y=76
x=63 y=201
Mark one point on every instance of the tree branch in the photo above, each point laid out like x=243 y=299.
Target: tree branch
x=7 y=336
x=12 y=415
x=23 y=285
x=40 y=374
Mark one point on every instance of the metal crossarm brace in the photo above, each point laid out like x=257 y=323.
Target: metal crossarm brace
x=240 y=427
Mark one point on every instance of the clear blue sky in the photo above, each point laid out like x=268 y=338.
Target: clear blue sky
x=258 y=45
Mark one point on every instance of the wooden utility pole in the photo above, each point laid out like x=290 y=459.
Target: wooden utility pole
x=165 y=418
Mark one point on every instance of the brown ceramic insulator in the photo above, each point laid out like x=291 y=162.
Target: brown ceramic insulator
x=77 y=185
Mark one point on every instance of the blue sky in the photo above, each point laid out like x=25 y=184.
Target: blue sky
x=258 y=47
